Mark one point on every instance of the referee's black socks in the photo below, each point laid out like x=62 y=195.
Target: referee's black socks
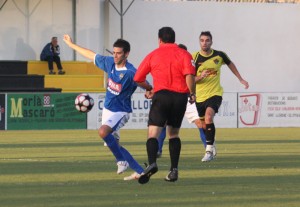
x=174 y=148
x=152 y=149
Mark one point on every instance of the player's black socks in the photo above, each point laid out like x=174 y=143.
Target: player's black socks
x=210 y=133
x=152 y=148
x=174 y=148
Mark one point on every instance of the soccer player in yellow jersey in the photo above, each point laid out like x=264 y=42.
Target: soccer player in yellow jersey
x=209 y=91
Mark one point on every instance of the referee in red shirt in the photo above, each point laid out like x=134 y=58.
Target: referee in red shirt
x=172 y=70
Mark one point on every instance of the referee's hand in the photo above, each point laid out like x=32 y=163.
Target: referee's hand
x=149 y=94
x=192 y=98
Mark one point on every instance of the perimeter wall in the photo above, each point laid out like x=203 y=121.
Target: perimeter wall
x=262 y=39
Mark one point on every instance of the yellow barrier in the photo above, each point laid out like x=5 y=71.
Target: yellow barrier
x=80 y=76
x=70 y=67
x=75 y=83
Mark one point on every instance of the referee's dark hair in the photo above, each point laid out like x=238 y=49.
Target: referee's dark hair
x=122 y=44
x=166 y=34
x=206 y=33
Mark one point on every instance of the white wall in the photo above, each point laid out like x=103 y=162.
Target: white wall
x=28 y=25
x=261 y=39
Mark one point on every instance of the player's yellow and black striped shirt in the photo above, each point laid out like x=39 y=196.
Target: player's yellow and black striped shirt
x=209 y=86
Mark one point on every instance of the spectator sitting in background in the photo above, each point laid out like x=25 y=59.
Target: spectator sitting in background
x=50 y=54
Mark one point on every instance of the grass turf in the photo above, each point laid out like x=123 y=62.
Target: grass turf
x=71 y=168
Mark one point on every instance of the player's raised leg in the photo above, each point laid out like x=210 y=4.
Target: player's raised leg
x=133 y=164
x=111 y=123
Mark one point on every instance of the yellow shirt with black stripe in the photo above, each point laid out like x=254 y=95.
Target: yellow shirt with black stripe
x=210 y=85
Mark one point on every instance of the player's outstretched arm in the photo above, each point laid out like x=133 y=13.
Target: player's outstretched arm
x=235 y=71
x=83 y=51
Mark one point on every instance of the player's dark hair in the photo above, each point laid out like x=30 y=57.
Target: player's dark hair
x=182 y=46
x=206 y=33
x=166 y=34
x=122 y=44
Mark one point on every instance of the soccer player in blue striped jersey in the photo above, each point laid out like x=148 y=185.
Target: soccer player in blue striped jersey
x=117 y=104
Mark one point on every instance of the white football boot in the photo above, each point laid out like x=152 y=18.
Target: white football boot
x=209 y=156
x=133 y=176
x=122 y=166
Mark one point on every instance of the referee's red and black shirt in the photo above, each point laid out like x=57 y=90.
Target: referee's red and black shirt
x=168 y=65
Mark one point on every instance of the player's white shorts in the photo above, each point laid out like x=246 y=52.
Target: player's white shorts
x=191 y=113
x=115 y=120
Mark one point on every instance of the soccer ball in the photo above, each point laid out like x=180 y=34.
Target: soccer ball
x=84 y=103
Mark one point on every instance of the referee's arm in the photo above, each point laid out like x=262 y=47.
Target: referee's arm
x=190 y=82
x=145 y=85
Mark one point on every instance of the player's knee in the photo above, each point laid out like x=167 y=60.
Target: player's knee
x=198 y=123
x=209 y=119
x=103 y=131
x=173 y=132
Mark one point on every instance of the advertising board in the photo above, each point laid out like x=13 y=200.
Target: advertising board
x=269 y=110
x=43 y=111
x=226 y=117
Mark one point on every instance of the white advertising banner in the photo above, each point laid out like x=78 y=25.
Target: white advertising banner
x=269 y=110
x=95 y=115
x=226 y=117
x=138 y=117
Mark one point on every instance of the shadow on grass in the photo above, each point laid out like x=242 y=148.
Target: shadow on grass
x=222 y=191
x=186 y=163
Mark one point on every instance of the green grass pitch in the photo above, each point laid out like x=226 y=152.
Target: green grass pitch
x=71 y=168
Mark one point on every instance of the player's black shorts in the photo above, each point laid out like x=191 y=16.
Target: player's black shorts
x=167 y=107
x=213 y=102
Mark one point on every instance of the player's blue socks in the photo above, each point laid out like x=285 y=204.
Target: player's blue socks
x=114 y=147
x=161 y=139
x=133 y=164
x=202 y=136
x=121 y=154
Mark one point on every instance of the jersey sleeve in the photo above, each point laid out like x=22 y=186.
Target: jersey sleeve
x=189 y=65
x=143 y=70
x=226 y=59
x=103 y=62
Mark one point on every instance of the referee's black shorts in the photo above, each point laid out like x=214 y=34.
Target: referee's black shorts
x=167 y=107
x=213 y=102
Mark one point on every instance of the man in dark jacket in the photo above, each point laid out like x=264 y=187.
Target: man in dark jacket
x=50 y=54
